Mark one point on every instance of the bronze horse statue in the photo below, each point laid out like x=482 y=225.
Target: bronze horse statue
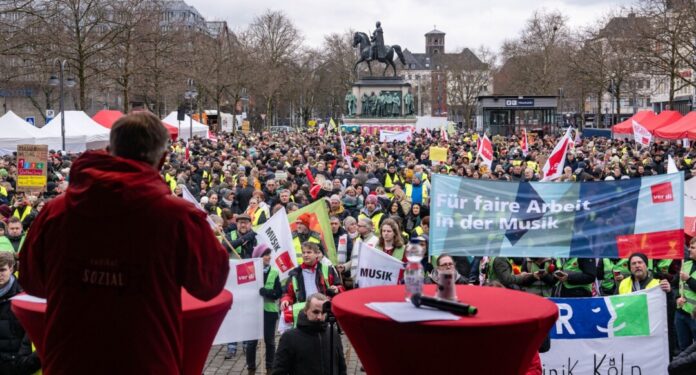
x=363 y=41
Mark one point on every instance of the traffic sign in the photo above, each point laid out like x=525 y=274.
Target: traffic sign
x=30 y=120
x=50 y=114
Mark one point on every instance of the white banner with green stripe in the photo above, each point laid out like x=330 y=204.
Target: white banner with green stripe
x=623 y=334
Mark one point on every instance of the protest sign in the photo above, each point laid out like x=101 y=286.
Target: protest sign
x=31 y=167
x=394 y=136
x=318 y=223
x=438 y=153
x=277 y=235
x=623 y=334
x=376 y=267
x=641 y=134
x=608 y=219
x=244 y=321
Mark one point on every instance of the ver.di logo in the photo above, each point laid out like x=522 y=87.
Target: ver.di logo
x=614 y=316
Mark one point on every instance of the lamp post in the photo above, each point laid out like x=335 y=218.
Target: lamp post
x=60 y=82
x=191 y=95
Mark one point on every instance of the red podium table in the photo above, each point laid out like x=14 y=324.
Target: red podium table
x=201 y=321
x=500 y=340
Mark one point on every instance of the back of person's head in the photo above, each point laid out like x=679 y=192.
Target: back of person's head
x=7 y=259
x=139 y=136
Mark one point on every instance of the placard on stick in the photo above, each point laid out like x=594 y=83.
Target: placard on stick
x=31 y=167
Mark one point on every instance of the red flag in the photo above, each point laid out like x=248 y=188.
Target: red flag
x=344 y=150
x=523 y=143
x=443 y=134
x=485 y=151
x=554 y=164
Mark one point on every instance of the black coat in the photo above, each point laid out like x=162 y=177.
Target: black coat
x=305 y=350
x=684 y=363
x=16 y=356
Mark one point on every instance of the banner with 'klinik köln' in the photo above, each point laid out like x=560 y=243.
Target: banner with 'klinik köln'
x=606 y=219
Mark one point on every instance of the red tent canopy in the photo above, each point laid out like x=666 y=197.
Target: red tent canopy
x=626 y=127
x=663 y=119
x=107 y=118
x=679 y=128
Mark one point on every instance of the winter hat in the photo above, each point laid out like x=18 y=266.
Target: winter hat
x=371 y=199
x=260 y=250
x=639 y=255
x=335 y=197
x=305 y=219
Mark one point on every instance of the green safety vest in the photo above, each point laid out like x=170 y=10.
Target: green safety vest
x=298 y=306
x=234 y=236
x=5 y=244
x=298 y=245
x=538 y=287
x=662 y=265
x=571 y=265
x=684 y=289
x=491 y=275
x=398 y=253
x=609 y=284
x=269 y=304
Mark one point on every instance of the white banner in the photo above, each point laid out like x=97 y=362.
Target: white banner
x=624 y=334
x=640 y=134
x=394 y=136
x=245 y=320
x=277 y=235
x=376 y=267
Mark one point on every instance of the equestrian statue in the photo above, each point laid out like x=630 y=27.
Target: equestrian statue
x=373 y=48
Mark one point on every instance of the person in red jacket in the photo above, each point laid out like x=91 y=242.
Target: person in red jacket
x=111 y=255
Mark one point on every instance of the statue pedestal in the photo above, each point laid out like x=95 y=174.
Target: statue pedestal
x=389 y=118
x=377 y=85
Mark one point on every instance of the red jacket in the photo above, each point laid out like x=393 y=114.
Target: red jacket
x=111 y=256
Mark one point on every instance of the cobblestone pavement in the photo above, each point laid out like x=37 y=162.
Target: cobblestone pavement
x=216 y=364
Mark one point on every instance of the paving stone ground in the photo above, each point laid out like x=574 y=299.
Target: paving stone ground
x=216 y=364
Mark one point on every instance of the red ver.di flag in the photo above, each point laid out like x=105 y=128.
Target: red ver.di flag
x=277 y=235
x=485 y=151
x=554 y=164
x=244 y=321
x=640 y=134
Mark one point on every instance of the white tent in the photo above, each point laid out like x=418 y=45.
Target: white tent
x=81 y=133
x=15 y=131
x=185 y=129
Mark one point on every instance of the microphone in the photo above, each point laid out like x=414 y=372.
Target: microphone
x=454 y=307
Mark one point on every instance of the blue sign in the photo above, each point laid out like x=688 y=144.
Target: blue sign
x=30 y=120
x=519 y=102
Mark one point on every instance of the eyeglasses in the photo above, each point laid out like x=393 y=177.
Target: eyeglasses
x=447 y=265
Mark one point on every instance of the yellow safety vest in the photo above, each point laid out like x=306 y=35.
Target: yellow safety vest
x=409 y=191
x=298 y=245
x=375 y=220
x=23 y=215
x=257 y=216
x=684 y=289
x=626 y=285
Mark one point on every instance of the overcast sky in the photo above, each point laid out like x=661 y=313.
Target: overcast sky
x=468 y=23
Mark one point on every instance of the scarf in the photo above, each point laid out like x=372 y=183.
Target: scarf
x=7 y=286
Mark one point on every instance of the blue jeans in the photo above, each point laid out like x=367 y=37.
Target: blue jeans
x=686 y=329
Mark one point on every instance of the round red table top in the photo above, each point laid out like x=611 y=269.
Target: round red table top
x=191 y=306
x=496 y=306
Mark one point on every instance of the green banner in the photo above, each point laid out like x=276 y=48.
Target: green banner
x=319 y=223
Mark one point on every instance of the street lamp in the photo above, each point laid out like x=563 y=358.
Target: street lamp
x=191 y=95
x=61 y=82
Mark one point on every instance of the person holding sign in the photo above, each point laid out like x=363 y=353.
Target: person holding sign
x=270 y=292
x=310 y=277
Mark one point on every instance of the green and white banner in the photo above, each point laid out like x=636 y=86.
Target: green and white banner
x=623 y=334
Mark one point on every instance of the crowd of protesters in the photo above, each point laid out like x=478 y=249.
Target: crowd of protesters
x=379 y=193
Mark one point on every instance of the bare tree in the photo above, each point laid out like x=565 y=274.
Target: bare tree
x=468 y=75
x=275 y=41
